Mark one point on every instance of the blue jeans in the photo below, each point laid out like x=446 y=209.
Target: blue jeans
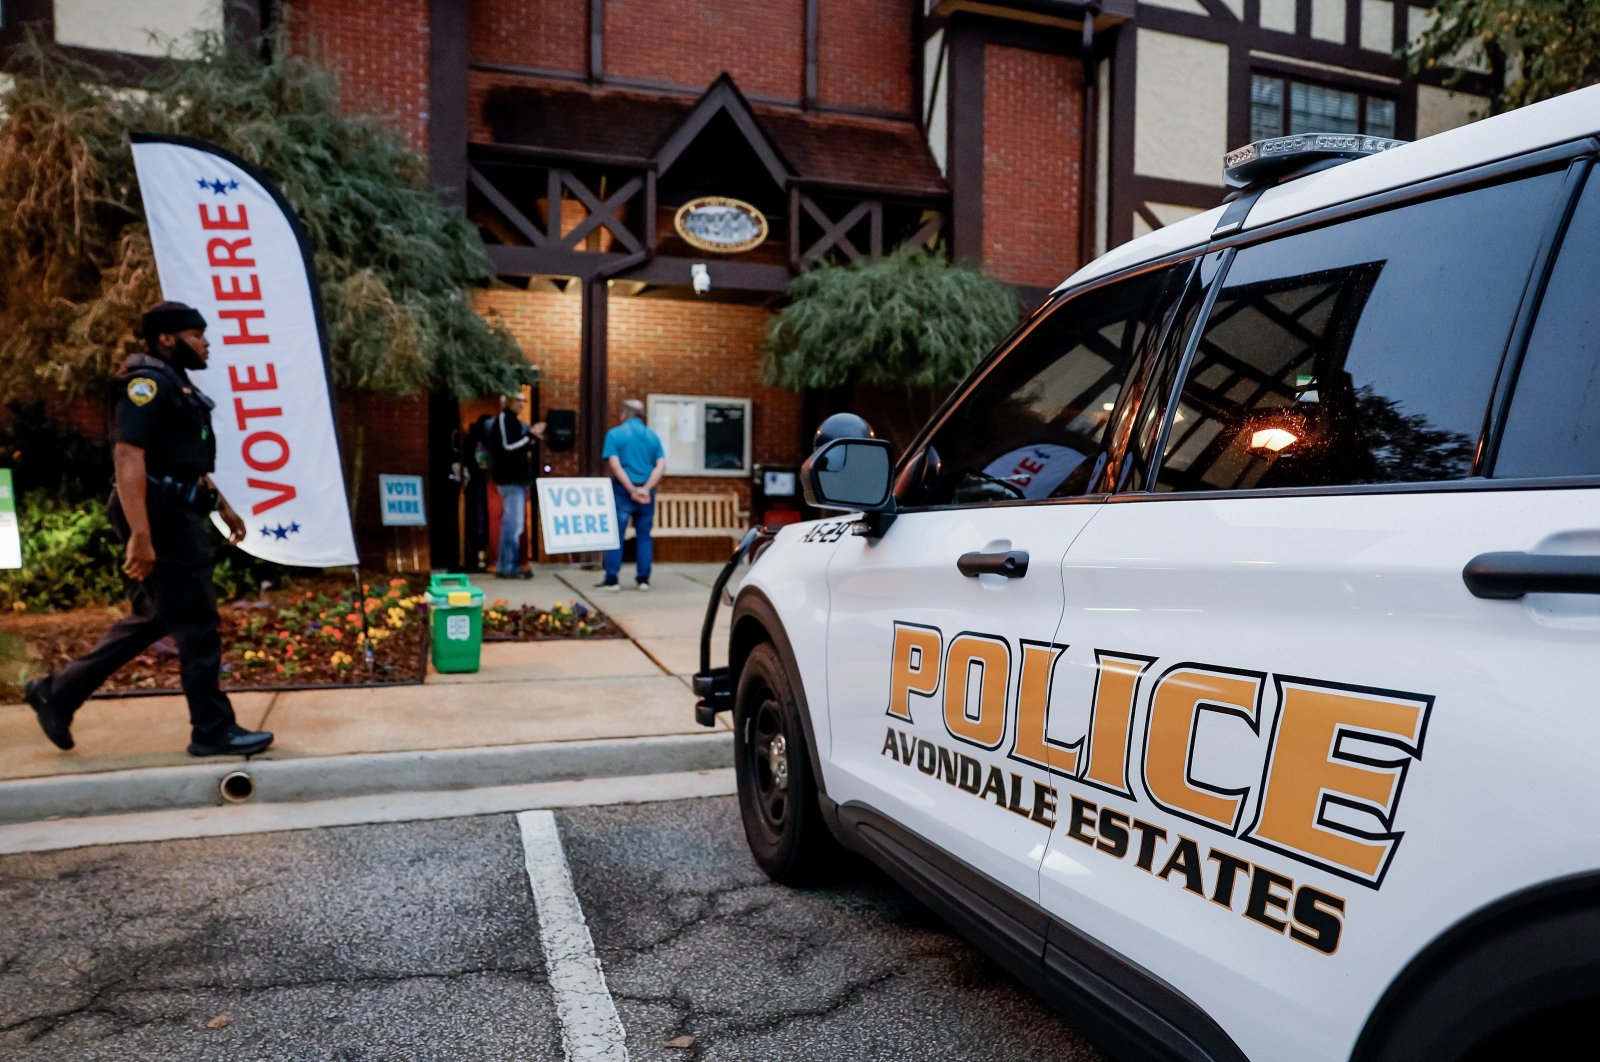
x=643 y=517
x=513 y=506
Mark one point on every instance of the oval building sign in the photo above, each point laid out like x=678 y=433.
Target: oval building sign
x=724 y=226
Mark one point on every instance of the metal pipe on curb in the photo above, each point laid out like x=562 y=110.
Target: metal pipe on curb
x=237 y=787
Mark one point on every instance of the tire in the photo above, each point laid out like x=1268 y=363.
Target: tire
x=1518 y=982
x=777 y=791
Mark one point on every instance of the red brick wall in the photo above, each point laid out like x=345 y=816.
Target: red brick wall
x=657 y=346
x=378 y=53
x=384 y=434
x=548 y=327
x=702 y=348
x=549 y=34
x=864 y=54
x=1032 y=164
x=760 y=42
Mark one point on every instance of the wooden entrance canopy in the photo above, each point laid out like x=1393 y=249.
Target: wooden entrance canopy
x=583 y=184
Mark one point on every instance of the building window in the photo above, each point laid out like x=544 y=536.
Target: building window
x=1281 y=106
x=703 y=435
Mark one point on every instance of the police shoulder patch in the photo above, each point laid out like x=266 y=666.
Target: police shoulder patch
x=141 y=389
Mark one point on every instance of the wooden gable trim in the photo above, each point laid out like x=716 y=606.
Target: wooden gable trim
x=723 y=97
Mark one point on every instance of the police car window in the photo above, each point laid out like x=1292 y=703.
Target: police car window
x=1554 y=425
x=1033 y=426
x=1364 y=352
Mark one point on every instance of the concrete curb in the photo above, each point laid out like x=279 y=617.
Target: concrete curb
x=367 y=774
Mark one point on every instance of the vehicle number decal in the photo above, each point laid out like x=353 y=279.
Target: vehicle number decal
x=829 y=532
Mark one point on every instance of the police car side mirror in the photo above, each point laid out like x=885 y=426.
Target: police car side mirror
x=849 y=474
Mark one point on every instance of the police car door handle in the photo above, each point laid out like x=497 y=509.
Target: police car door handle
x=1507 y=576
x=1013 y=564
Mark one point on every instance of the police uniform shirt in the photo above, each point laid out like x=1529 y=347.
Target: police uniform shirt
x=161 y=412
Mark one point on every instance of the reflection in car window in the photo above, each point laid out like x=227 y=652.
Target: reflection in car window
x=1554 y=425
x=1364 y=352
x=1033 y=426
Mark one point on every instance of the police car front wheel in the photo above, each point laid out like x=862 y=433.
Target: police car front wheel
x=777 y=793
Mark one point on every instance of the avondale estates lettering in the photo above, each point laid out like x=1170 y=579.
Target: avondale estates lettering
x=1334 y=754
x=1309 y=915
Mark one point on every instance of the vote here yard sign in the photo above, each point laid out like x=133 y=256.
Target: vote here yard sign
x=577 y=515
x=402 y=501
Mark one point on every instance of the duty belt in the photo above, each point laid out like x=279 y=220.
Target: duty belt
x=196 y=495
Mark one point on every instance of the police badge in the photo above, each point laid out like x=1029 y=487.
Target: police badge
x=141 y=390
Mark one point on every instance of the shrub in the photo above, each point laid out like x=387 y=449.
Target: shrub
x=72 y=557
x=908 y=320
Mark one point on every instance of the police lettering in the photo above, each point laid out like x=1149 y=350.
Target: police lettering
x=1331 y=745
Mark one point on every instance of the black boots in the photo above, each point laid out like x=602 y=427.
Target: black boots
x=237 y=741
x=55 y=723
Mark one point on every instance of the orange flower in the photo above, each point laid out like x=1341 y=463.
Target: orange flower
x=397 y=582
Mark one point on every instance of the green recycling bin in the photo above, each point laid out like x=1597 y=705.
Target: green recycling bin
x=456 y=611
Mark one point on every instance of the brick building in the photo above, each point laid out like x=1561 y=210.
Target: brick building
x=612 y=151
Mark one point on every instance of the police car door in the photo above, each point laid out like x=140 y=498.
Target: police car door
x=940 y=631
x=1282 y=627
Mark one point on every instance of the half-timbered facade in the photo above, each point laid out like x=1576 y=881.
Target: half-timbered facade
x=649 y=177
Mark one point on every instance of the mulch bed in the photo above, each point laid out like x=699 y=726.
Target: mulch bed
x=305 y=636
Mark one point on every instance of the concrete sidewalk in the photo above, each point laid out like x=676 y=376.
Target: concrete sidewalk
x=529 y=702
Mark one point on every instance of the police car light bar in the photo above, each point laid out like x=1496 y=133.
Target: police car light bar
x=1267 y=160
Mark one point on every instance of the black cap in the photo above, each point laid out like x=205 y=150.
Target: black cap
x=169 y=318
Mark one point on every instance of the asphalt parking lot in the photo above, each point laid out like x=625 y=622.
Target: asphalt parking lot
x=424 y=940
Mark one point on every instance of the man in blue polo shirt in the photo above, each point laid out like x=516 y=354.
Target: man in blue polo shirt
x=636 y=461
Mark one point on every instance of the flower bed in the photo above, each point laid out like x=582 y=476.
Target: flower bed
x=328 y=635
x=572 y=619
x=314 y=634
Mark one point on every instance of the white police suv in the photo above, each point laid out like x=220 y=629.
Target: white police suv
x=1225 y=656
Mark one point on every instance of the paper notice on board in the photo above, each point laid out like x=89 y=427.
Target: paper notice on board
x=688 y=422
x=10 y=534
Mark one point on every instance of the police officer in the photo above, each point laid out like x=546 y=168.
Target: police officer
x=164 y=453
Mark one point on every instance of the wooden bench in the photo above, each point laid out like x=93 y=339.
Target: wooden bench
x=697 y=516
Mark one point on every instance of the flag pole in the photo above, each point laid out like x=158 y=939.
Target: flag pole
x=361 y=607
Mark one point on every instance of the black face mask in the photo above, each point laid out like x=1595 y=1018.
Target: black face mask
x=184 y=356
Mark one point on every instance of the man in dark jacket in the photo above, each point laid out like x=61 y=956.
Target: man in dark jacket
x=513 y=458
x=475 y=459
x=164 y=453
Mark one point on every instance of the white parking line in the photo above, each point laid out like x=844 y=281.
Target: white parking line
x=590 y=1028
